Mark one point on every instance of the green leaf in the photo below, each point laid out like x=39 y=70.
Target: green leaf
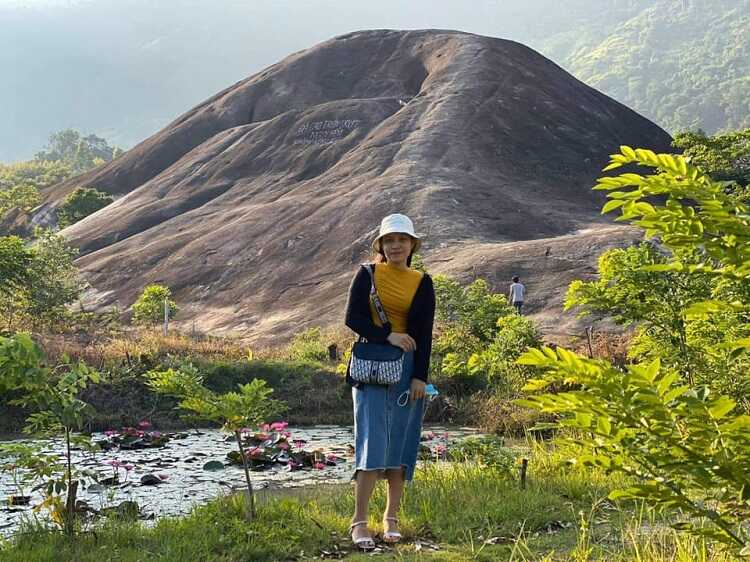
x=213 y=465
x=627 y=151
x=721 y=407
x=603 y=425
x=612 y=205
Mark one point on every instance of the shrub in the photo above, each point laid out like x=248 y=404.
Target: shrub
x=149 y=308
x=309 y=346
x=80 y=203
x=43 y=281
x=488 y=451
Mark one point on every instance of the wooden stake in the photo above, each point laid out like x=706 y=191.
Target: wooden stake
x=166 y=315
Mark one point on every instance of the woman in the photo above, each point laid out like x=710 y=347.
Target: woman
x=388 y=419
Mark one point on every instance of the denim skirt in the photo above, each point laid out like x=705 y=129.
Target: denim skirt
x=387 y=425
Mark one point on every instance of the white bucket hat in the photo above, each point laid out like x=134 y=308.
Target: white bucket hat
x=396 y=223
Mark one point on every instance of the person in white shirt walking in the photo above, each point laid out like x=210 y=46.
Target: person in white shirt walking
x=517 y=294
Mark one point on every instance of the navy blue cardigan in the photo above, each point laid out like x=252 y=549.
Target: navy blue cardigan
x=419 y=320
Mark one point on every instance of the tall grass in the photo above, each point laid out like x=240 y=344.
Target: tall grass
x=469 y=511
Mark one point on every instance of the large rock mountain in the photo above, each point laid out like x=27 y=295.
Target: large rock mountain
x=255 y=206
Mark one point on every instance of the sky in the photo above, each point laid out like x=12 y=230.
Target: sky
x=123 y=69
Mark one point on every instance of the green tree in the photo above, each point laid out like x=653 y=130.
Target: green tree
x=21 y=183
x=80 y=203
x=51 y=394
x=467 y=322
x=80 y=152
x=15 y=262
x=687 y=449
x=235 y=411
x=47 y=282
x=497 y=360
x=632 y=294
x=473 y=307
x=149 y=308
x=724 y=156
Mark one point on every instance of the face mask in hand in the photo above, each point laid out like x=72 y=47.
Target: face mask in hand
x=430 y=391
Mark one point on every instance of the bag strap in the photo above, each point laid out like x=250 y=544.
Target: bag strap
x=374 y=295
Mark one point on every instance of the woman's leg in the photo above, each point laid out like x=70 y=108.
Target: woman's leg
x=395 y=491
x=363 y=487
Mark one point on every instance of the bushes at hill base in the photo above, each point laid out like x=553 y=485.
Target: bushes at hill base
x=149 y=309
x=480 y=336
x=308 y=346
x=38 y=282
x=80 y=203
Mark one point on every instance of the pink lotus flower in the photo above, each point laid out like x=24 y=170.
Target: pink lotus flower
x=143 y=424
x=114 y=463
x=445 y=435
x=163 y=476
x=429 y=435
x=279 y=426
x=254 y=452
x=128 y=467
x=319 y=466
x=331 y=458
x=155 y=434
x=299 y=443
x=110 y=432
x=265 y=427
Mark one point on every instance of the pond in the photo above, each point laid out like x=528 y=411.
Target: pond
x=183 y=482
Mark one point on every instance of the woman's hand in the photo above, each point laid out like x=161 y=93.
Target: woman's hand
x=417 y=389
x=404 y=341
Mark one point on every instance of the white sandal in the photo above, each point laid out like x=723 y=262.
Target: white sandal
x=363 y=543
x=391 y=536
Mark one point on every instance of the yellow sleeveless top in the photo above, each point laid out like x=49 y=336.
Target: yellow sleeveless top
x=396 y=289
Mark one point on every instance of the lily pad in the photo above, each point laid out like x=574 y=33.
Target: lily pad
x=213 y=465
x=150 y=480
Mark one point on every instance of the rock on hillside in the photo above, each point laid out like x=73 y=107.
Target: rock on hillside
x=255 y=206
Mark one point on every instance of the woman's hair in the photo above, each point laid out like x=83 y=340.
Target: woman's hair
x=515 y=279
x=378 y=255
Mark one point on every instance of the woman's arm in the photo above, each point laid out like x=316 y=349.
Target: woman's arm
x=423 y=332
x=358 y=316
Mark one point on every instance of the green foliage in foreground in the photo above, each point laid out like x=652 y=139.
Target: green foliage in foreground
x=687 y=449
x=80 y=203
x=237 y=411
x=473 y=513
x=457 y=506
x=51 y=395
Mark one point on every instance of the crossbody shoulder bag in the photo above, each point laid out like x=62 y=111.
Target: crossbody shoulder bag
x=376 y=363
